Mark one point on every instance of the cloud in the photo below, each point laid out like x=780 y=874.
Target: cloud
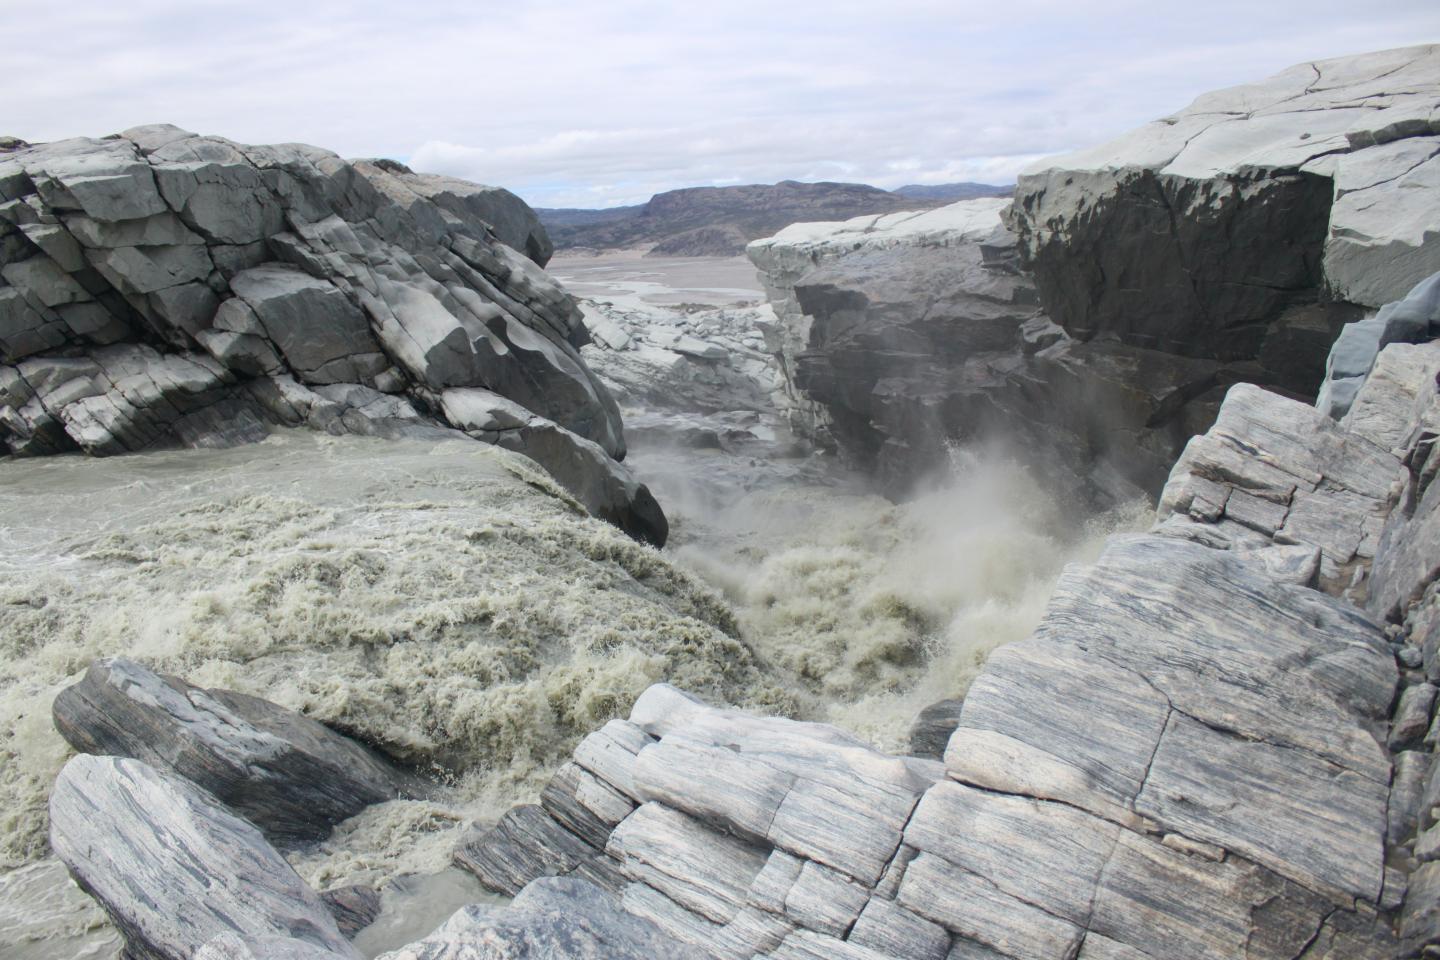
x=579 y=103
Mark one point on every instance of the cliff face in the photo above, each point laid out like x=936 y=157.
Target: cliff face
x=1130 y=285
x=899 y=335
x=1202 y=233
x=160 y=288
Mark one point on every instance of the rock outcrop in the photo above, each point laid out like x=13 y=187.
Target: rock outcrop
x=161 y=288
x=1136 y=281
x=1221 y=735
x=292 y=777
x=1243 y=227
x=899 y=335
x=173 y=868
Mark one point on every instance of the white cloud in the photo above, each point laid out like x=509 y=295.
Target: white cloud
x=581 y=103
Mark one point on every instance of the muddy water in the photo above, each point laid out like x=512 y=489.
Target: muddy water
x=435 y=600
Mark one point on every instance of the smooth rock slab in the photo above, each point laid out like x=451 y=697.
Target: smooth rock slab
x=1184 y=684
x=172 y=867
x=292 y=777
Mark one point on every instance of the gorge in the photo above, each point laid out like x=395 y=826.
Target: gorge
x=328 y=433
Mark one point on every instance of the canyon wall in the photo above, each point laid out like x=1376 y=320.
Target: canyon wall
x=1130 y=285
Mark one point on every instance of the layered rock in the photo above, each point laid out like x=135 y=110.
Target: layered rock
x=160 y=288
x=1241 y=227
x=557 y=919
x=900 y=335
x=1110 y=788
x=173 y=868
x=292 y=777
x=1205 y=742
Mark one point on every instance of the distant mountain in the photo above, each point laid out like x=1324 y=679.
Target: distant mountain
x=719 y=221
x=951 y=192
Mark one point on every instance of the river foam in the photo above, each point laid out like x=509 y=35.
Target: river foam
x=442 y=601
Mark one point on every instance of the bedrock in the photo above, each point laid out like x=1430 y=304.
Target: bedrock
x=1198 y=233
x=161 y=288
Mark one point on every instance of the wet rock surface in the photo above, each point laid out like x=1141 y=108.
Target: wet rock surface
x=159 y=288
x=172 y=867
x=292 y=777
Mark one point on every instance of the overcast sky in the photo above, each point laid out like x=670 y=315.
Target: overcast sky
x=593 y=103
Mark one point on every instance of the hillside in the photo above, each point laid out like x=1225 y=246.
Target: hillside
x=719 y=221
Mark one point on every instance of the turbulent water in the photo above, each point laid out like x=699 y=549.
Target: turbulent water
x=445 y=602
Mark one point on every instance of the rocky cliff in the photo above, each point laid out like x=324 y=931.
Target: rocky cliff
x=1240 y=227
x=161 y=288
x=1129 y=285
x=898 y=335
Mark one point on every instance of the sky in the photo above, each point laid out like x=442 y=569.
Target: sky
x=597 y=103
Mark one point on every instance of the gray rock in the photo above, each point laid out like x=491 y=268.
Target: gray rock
x=584 y=804
x=292 y=777
x=1196 y=233
x=1412 y=319
x=361 y=274
x=1420 y=920
x=316 y=329
x=898 y=341
x=230 y=946
x=512 y=220
x=825 y=900
x=606 y=488
x=891 y=930
x=1333 y=486
x=525 y=845
x=698 y=867
x=1250 y=758
x=550 y=919
x=1407 y=791
x=354 y=907
x=204 y=871
x=1412 y=716
x=1386 y=406
x=932 y=728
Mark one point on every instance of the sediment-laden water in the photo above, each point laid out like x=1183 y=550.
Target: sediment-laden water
x=446 y=603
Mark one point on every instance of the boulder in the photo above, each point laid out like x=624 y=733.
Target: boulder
x=1412 y=319
x=292 y=777
x=202 y=277
x=354 y=907
x=173 y=868
x=606 y=488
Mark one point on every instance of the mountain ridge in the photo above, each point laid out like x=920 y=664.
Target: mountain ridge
x=719 y=221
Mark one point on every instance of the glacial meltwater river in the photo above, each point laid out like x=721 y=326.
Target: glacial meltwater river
x=431 y=599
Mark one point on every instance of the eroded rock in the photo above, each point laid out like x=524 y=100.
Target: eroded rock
x=161 y=288
x=173 y=868
x=292 y=777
